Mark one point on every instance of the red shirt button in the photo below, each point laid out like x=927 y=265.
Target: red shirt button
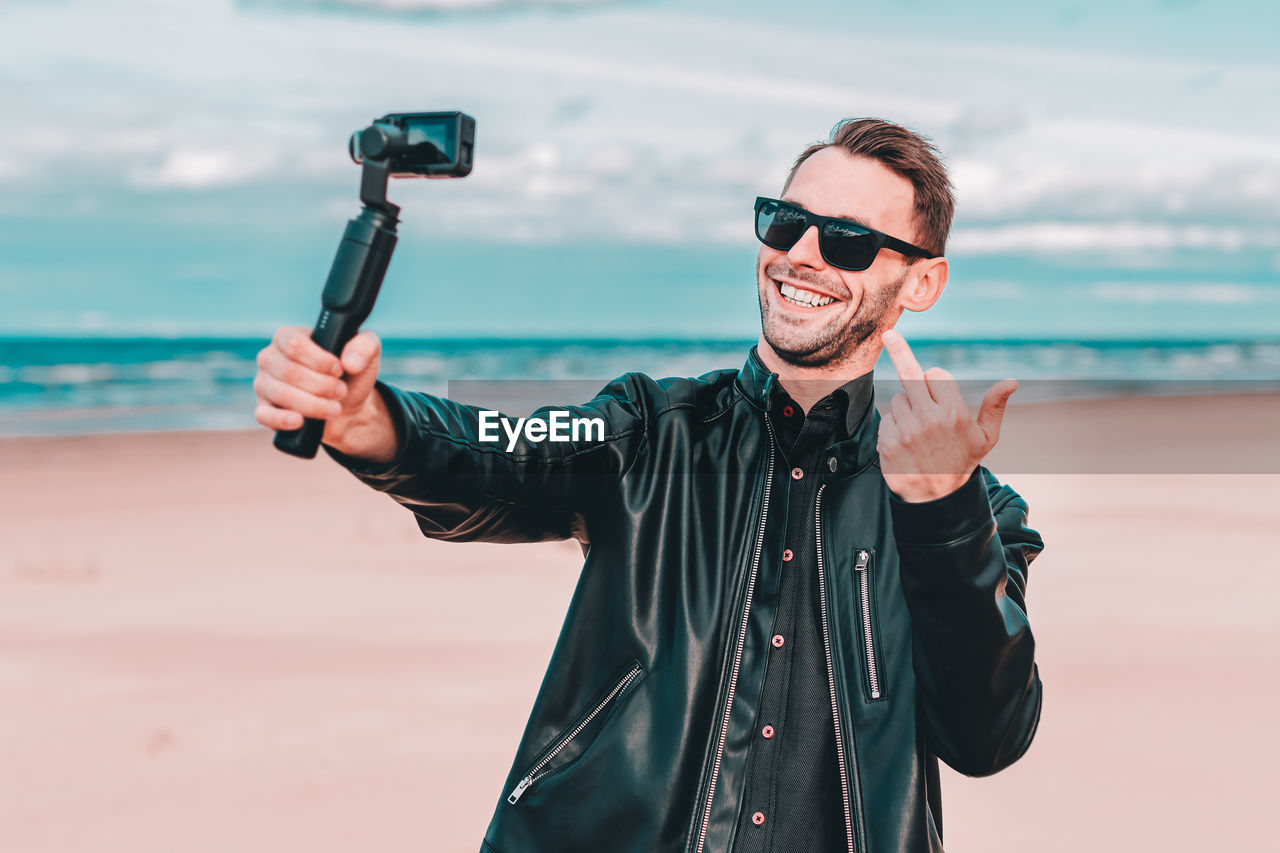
x=787 y=555
x=787 y=411
x=757 y=818
x=796 y=473
x=767 y=731
x=778 y=640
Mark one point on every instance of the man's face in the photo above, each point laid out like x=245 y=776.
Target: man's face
x=834 y=183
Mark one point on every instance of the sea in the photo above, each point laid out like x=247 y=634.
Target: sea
x=61 y=386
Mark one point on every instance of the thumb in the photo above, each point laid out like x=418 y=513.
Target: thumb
x=360 y=352
x=991 y=412
x=360 y=360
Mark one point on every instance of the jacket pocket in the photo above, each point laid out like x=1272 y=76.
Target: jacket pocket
x=873 y=677
x=546 y=762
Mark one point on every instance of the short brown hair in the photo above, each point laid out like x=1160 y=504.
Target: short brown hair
x=907 y=154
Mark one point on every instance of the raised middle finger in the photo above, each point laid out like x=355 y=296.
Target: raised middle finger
x=909 y=371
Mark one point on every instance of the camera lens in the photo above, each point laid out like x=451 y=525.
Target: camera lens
x=374 y=142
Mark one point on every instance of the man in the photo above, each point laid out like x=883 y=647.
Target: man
x=791 y=605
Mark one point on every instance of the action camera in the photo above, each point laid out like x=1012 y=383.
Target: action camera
x=428 y=145
x=398 y=145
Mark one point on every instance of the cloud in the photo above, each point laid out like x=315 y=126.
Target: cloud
x=1060 y=237
x=627 y=124
x=202 y=168
x=1114 y=168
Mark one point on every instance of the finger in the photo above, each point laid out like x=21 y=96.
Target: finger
x=991 y=412
x=285 y=396
x=904 y=361
x=900 y=407
x=944 y=388
x=362 y=351
x=888 y=434
x=296 y=343
x=272 y=361
x=274 y=417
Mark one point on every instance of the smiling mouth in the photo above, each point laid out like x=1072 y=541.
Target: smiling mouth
x=802 y=298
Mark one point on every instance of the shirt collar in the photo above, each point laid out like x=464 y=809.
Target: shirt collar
x=756 y=384
x=851 y=401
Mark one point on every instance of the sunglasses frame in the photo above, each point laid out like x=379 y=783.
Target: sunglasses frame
x=883 y=240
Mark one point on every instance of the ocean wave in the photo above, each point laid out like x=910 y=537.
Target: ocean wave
x=191 y=383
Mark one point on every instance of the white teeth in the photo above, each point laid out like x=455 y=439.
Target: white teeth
x=803 y=297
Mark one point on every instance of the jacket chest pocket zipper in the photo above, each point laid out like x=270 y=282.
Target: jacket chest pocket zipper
x=862 y=572
x=542 y=768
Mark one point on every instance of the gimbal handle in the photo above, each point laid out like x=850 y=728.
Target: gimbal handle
x=352 y=287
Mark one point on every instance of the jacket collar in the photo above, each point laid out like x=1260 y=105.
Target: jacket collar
x=859 y=450
x=756 y=382
x=853 y=454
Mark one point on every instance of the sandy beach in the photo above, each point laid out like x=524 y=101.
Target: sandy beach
x=206 y=645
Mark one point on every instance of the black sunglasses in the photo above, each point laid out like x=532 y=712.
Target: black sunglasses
x=844 y=244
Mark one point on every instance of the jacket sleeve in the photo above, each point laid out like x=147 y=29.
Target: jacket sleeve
x=466 y=490
x=963 y=561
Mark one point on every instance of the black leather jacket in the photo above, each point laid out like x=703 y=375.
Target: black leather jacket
x=638 y=738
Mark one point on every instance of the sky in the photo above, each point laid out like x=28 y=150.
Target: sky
x=180 y=167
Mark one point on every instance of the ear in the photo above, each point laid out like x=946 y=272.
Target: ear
x=924 y=284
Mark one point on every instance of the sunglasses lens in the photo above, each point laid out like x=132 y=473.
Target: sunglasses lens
x=847 y=246
x=779 y=226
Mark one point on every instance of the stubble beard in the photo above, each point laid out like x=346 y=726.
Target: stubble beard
x=836 y=342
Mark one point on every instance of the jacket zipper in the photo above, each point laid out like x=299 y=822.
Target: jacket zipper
x=863 y=569
x=737 y=654
x=831 y=680
x=535 y=772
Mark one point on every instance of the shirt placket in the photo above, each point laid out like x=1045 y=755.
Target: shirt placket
x=801 y=441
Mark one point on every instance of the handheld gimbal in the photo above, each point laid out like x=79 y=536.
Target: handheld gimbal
x=398 y=145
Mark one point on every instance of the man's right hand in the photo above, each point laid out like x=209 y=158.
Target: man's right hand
x=298 y=379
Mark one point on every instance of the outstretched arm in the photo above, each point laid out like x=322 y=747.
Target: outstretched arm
x=462 y=488
x=427 y=452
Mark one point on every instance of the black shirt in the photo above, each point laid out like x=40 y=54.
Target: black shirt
x=792 y=801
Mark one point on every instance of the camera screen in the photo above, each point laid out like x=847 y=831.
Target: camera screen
x=432 y=141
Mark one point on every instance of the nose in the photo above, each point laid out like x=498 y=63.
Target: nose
x=805 y=253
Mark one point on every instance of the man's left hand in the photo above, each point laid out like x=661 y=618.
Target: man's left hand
x=929 y=442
